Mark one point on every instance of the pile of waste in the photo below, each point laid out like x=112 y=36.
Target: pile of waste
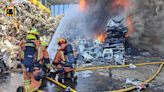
x=14 y=29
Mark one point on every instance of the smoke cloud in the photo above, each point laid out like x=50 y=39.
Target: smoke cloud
x=100 y=11
x=148 y=21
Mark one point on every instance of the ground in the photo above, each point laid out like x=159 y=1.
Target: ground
x=99 y=80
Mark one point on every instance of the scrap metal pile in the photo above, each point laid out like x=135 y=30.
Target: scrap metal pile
x=113 y=47
x=13 y=29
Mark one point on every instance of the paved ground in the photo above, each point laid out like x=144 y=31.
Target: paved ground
x=97 y=81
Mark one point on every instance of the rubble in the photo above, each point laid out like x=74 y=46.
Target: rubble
x=14 y=29
x=141 y=87
x=133 y=81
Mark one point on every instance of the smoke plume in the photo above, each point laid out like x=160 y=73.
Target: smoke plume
x=100 y=11
x=148 y=21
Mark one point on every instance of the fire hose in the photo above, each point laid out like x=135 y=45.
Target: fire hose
x=143 y=83
x=117 y=66
x=59 y=84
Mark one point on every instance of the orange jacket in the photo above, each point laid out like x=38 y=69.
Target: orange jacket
x=59 y=57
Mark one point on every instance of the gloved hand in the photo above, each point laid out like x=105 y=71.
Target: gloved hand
x=48 y=66
x=63 y=62
x=46 y=60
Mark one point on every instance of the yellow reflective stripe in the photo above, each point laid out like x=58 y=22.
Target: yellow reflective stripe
x=27 y=88
x=62 y=55
x=22 y=55
x=30 y=44
x=39 y=52
x=27 y=82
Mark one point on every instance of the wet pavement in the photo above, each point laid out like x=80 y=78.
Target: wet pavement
x=87 y=81
x=9 y=82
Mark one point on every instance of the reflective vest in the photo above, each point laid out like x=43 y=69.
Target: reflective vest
x=42 y=53
x=59 y=57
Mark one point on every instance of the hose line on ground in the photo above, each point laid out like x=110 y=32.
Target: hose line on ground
x=145 y=82
x=117 y=66
x=59 y=84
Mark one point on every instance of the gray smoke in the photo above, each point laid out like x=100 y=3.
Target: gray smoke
x=98 y=14
x=148 y=23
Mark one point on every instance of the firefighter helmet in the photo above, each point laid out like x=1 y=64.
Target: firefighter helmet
x=31 y=37
x=44 y=44
x=33 y=32
x=62 y=41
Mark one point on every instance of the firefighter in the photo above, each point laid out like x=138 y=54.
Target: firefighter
x=69 y=55
x=60 y=60
x=42 y=62
x=28 y=57
x=29 y=50
x=43 y=57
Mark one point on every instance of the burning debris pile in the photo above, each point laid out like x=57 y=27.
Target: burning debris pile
x=114 y=44
x=148 y=21
x=89 y=20
x=91 y=16
x=13 y=29
x=144 y=20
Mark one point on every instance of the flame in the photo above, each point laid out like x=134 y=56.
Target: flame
x=130 y=26
x=124 y=3
x=101 y=37
x=83 y=5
